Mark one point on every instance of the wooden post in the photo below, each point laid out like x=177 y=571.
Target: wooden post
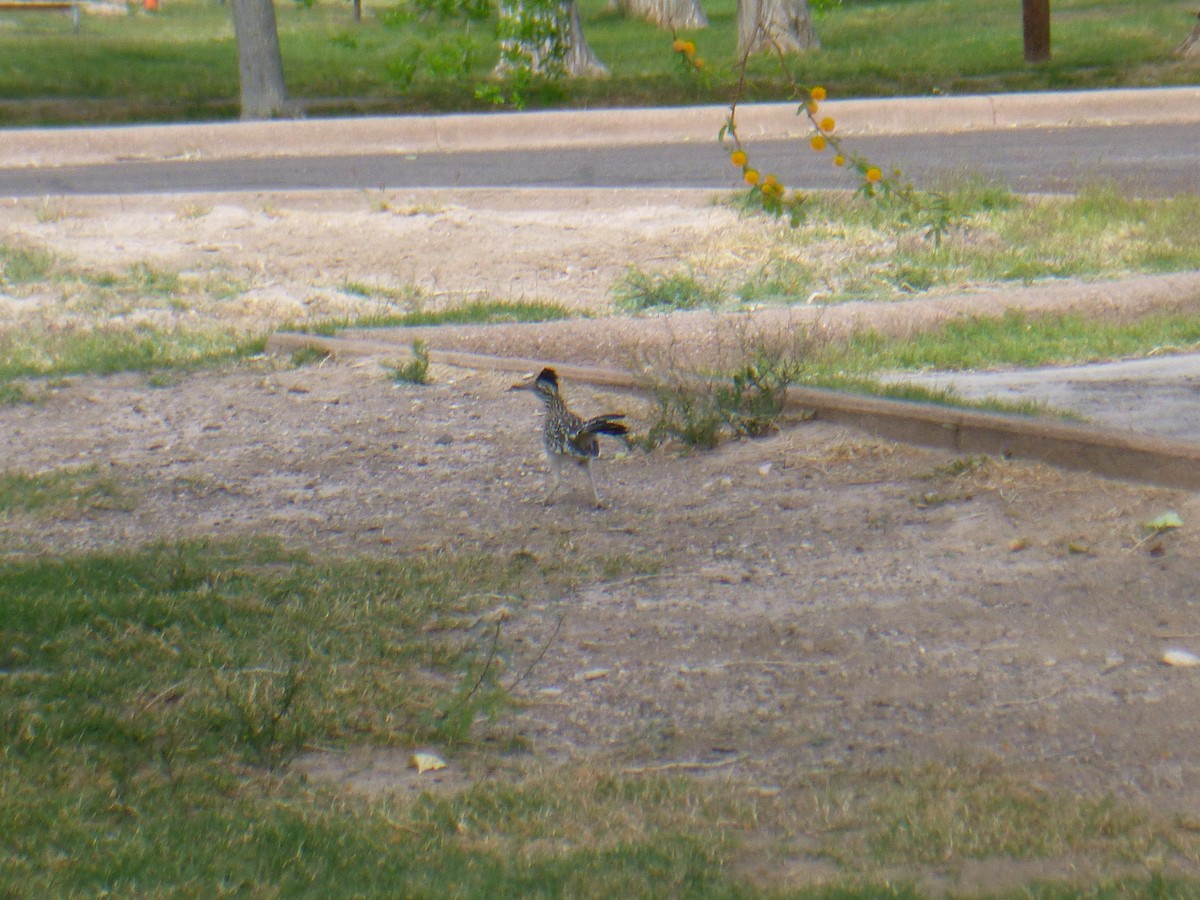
x=1037 y=30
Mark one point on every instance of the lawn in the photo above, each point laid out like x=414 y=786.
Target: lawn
x=180 y=63
x=154 y=698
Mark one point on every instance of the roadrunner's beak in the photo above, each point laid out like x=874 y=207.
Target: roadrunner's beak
x=525 y=382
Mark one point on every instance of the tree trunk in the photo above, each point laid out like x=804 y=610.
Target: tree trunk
x=667 y=14
x=357 y=10
x=1035 y=15
x=581 y=61
x=1190 y=48
x=560 y=49
x=260 y=66
x=767 y=24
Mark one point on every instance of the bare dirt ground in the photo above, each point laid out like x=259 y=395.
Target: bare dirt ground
x=293 y=252
x=815 y=599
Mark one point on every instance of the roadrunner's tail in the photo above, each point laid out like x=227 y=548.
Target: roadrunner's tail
x=610 y=424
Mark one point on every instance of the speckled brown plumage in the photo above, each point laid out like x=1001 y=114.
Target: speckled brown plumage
x=566 y=436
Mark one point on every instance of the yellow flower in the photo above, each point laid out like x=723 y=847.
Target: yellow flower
x=873 y=175
x=679 y=45
x=818 y=142
x=689 y=48
x=738 y=158
x=812 y=107
x=751 y=176
x=698 y=63
x=839 y=160
x=827 y=123
x=817 y=94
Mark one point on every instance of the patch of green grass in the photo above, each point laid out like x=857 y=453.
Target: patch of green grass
x=1099 y=232
x=144 y=281
x=117 y=346
x=181 y=61
x=940 y=812
x=929 y=819
x=779 y=280
x=201 y=650
x=21 y=264
x=848 y=248
x=602 y=834
x=196 y=831
x=309 y=355
x=626 y=565
x=73 y=487
x=145 y=278
x=480 y=312
x=1152 y=887
x=14 y=393
x=82 y=293
x=1015 y=339
x=917 y=393
x=110 y=348
x=491 y=312
x=359 y=289
x=639 y=291
x=151 y=698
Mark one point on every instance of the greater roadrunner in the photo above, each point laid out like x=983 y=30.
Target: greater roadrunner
x=565 y=435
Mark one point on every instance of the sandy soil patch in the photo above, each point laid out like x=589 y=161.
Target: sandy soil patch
x=295 y=250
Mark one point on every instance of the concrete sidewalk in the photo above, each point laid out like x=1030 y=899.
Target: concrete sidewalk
x=570 y=128
x=1153 y=396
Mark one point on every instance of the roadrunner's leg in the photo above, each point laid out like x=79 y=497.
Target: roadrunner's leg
x=554 y=479
x=587 y=466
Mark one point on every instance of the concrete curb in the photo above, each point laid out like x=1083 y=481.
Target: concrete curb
x=570 y=128
x=1102 y=451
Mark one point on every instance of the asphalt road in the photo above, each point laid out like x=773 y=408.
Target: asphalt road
x=1150 y=160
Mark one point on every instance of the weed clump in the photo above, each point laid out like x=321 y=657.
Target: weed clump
x=309 y=355
x=415 y=370
x=744 y=400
